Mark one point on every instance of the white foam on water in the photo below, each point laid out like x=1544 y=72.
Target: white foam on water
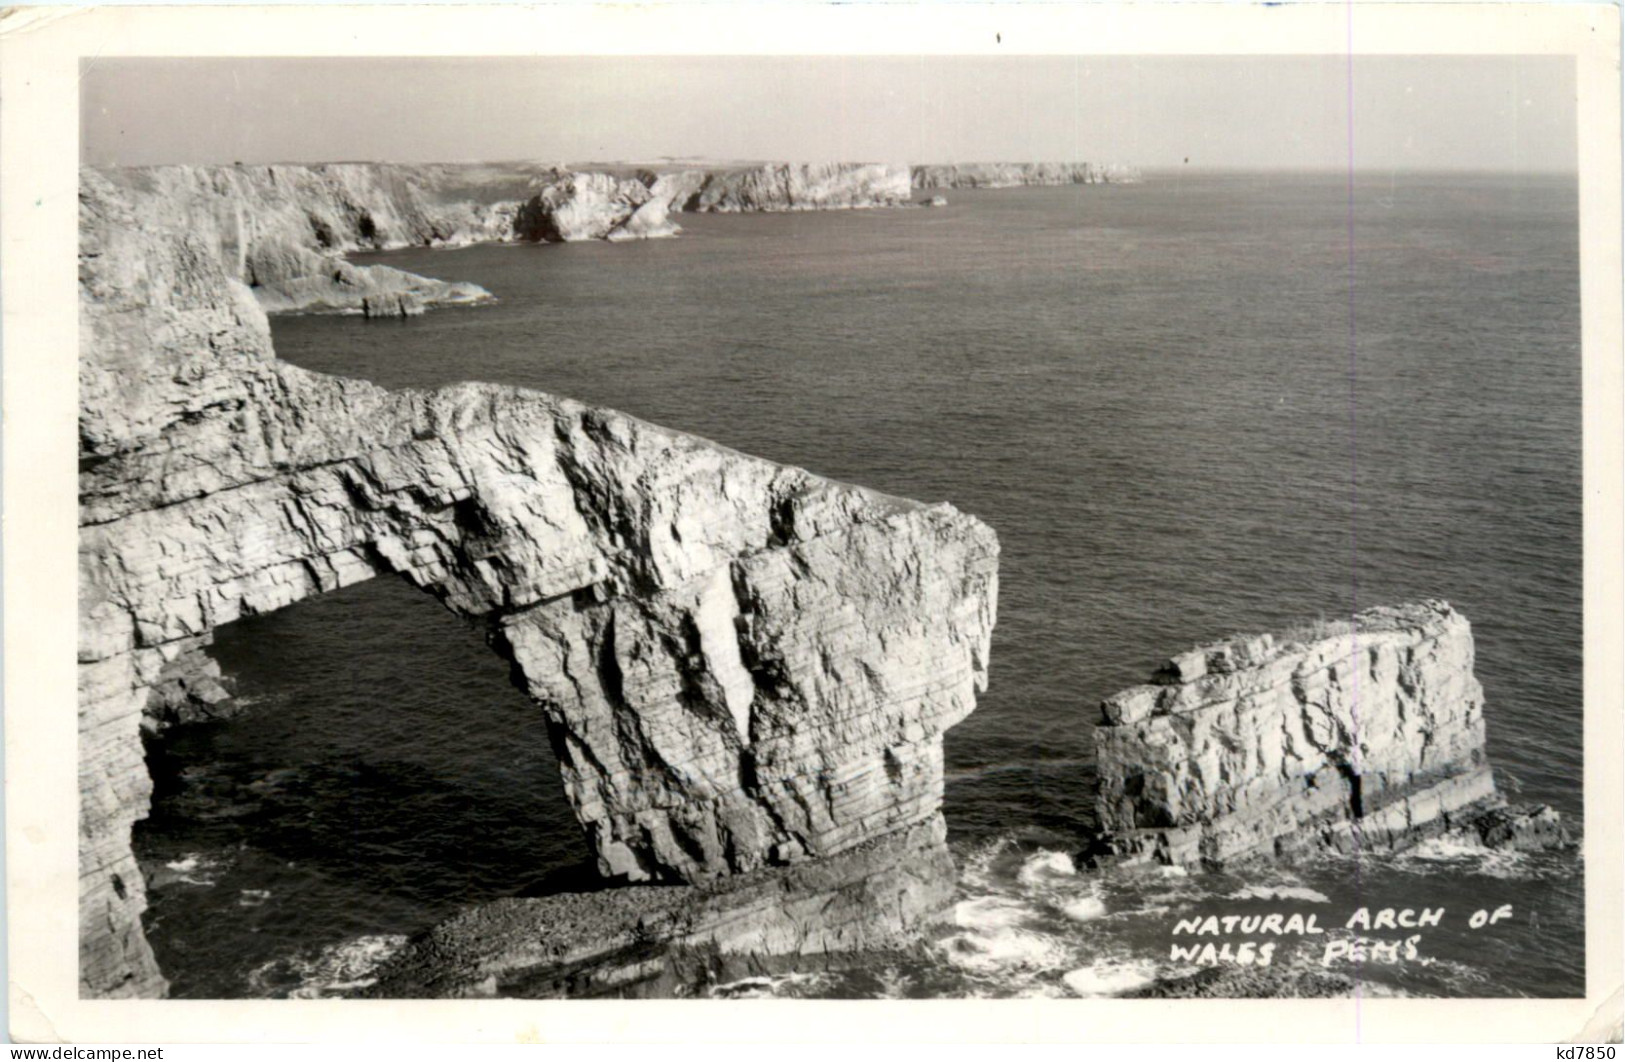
x=1045 y=866
x=1173 y=872
x=1085 y=909
x=991 y=953
x=1109 y=977
x=744 y=988
x=193 y=868
x=1505 y=864
x=1280 y=892
x=977 y=872
x=790 y=985
x=252 y=897
x=330 y=972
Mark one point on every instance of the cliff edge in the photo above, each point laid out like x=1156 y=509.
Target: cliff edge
x=284 y=230
x=743 y=668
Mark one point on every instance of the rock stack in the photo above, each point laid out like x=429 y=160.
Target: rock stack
x=1359 y=736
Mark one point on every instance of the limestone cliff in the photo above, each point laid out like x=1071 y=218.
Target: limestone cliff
x=796 y=186
x=1358 y=736
x=283 y=230
x=741 y=666
x=1017 y=174
x=593 y=206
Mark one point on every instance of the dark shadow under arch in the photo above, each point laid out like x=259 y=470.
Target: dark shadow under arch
x=381 y=772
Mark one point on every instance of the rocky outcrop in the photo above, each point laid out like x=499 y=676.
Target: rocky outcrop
x=283 y=230
x=1017 y=174
x=403 y=304
x=641 y=941
x=1361 y=736
x=190 y=689
x=741 y=666
x=592 y=206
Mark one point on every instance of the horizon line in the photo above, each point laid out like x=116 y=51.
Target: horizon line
x=1166 y=168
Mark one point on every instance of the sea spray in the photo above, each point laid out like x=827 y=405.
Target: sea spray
x=334 y=971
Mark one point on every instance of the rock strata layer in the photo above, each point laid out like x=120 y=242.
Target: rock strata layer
x=741 y=666
x=284 y=230
x=641 y=941
x=1361 y=736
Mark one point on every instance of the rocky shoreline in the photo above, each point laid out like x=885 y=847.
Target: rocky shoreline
x=1360 y=736
x=284 y=230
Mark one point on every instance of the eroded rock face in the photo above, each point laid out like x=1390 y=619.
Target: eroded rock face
x=583 y=206
x=799 y=186
x=742 y=666
x=1017 y=174
x=283 y=230
x=638 y=941
x=1364 y=736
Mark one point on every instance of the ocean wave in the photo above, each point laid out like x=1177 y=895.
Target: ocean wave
x=1003 y=952
x=894 y=984
x=193 y=868
x=332 y=972
x=990 y=913
x=1109 y=977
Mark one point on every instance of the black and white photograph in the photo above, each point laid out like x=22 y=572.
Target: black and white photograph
x=1011 y=524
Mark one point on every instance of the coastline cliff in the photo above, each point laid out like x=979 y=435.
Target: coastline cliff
x=284 y=230
x=744 y=669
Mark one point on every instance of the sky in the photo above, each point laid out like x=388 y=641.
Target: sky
x=1490 y=113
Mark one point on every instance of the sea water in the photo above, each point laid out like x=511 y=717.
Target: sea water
x=1187 y=408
